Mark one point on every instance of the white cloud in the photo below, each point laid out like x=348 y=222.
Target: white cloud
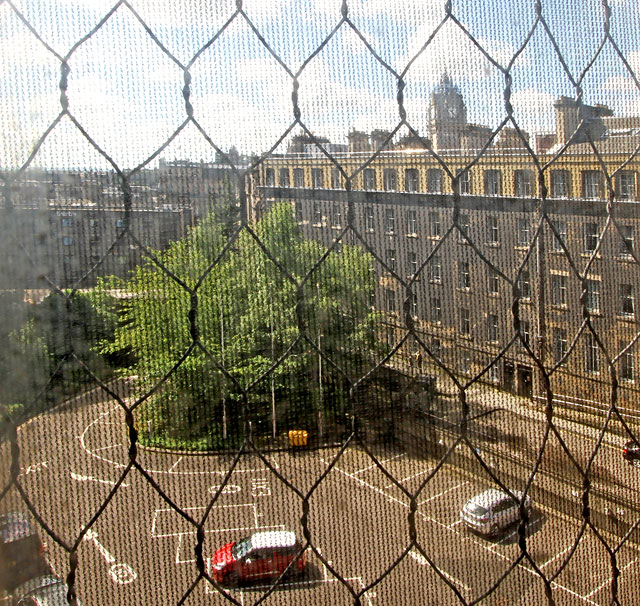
x=633 y=59
x=623 y=90
x=620 y=84
x=128 y=93
x=453 y=52
x=533 y=110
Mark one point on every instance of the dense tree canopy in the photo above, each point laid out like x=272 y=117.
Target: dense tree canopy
x=48 y=347
x=247 y=322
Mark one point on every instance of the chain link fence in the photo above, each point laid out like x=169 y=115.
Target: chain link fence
x=191 y=325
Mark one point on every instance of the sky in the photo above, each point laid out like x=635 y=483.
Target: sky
x=125 y=89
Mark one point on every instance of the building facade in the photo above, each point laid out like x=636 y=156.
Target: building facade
x=504 y=259
x=67 y=228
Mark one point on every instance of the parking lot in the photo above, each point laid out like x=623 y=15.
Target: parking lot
x=140 y=549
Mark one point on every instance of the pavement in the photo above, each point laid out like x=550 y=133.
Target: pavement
x=135 y=529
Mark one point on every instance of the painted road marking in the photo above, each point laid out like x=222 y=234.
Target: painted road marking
x=167 y=522
x=108 y=447
x=120 y=573
x=36 y=467
x=175 y=464
x=414 y=475
x=80 y=478
x=228 y=489
x=466 y=536
x=260 y=487
x=211 y=590
x=94 y=452
x=437 y=496
x=555 y=557
x=382 y=462
x=608 y=581
x=418 y=557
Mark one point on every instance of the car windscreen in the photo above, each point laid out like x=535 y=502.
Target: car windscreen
x=475 y=509
x=241 y=548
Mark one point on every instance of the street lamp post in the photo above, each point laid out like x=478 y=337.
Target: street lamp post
x=224 y=400
x=273 y=385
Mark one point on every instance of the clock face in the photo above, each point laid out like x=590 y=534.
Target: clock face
x=452 y=112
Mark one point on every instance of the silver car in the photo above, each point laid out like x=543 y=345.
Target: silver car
x=492 y=511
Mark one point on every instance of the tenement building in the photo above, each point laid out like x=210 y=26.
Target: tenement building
x=66 y=228
x=471 y=230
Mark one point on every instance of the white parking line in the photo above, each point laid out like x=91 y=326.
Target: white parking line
x=504 y=540
x=570 y=591
x=252 y=506
x=94 y=452
x=608 y=582
x=367 y=485
x=382 y=462
x=245 y=531
x=175 y=464
x=414 y=475
x=418 y=557
x=555 y=557
x=467 y=537
x=437 y=496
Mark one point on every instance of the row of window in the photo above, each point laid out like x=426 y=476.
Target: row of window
x=524 y=183
x=93 y=223
x=560 y=344
x=590 y=230
x=592 y=354
x=560 y=348
x=559 y=284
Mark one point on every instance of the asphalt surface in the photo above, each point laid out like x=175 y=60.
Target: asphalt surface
x=140 y=549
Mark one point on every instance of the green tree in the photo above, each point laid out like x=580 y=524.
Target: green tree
x=47 y=346
x=256 y=318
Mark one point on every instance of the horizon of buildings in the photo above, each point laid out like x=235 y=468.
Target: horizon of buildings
x=450 y=218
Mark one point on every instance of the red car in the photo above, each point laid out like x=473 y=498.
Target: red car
x=631 y=452
x=263 y=555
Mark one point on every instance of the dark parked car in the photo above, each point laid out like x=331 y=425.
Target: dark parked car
x=45 y=590
x=20 y=550
x=631 y=452
x=263 y=555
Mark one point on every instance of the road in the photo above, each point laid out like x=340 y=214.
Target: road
x=139 y=548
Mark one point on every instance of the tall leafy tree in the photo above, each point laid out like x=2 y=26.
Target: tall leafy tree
x=48 y=346
x=260 y=318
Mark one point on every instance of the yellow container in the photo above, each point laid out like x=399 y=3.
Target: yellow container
x=298 y=437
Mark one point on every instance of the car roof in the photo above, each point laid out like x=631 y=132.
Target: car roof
x=273 y=538
x=14 y=526
x=492 y=496
x=28 y=587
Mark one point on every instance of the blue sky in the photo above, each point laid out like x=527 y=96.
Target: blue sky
x=127 y=94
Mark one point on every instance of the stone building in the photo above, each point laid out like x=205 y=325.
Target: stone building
x=66 y=228
x=455 y=249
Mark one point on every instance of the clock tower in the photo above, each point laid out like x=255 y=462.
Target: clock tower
x=447 y=115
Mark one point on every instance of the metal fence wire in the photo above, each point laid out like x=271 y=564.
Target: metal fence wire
x=146 y=417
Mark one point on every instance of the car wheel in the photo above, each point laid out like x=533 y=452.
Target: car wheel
x=635 y=462
x=495 y=529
